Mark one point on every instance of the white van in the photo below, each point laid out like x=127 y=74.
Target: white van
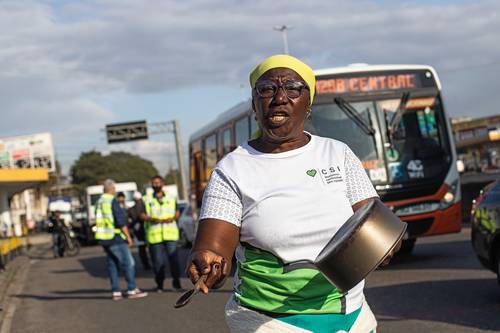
x=94 y=193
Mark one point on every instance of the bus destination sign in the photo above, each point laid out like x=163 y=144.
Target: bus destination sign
x=367 y=83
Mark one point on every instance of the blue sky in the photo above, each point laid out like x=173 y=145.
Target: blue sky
x=70 y=67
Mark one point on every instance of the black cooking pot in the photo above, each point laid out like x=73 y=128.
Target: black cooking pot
x=359 y=246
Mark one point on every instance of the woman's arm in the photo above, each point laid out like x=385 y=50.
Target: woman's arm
x=215 y=243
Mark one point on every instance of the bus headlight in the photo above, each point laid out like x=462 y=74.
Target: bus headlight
x=450 y=195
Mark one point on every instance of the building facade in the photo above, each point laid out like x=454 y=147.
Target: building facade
x=478 y=143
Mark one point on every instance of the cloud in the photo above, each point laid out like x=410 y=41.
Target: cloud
x=157 y=45
x=58 y=59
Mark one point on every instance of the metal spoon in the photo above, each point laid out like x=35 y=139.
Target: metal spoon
x=188 y=295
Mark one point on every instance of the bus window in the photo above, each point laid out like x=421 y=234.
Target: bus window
x=241 y=130
x=196 y=167
x=226 y=141
x=195 y=164
x=253 y=125
x=210 y=155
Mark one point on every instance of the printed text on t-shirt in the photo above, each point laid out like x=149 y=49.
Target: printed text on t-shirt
x=330 y=175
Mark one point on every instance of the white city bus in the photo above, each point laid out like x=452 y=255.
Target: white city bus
x=392 y=117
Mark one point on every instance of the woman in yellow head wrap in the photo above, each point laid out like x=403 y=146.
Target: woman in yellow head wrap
x=277 y=199
x=284 y=61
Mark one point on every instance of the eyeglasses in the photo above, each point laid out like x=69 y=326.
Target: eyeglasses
x=268 y=89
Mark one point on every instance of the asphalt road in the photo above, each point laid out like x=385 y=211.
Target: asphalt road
x=440 y=288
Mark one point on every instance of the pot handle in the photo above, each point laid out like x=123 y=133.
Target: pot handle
x=298 y=265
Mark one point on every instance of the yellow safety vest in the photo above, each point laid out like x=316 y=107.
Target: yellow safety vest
x=104 y=220
x=160 y=209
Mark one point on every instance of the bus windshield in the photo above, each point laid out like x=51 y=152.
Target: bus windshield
x=409 y=141
x=329 y=120
x=416 y=146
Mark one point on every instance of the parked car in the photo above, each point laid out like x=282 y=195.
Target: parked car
x=187 y=225
x=485 y=227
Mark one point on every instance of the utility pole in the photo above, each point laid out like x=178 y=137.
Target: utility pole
x=283 y=29
x=139 y=130
x=180 y=161
x=58 y=179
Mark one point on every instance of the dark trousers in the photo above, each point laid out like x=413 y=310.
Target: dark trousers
x=143 y=253
x=143 y=256
x=159 y=254
x=56 y=244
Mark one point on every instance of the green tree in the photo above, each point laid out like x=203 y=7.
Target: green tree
x=93 y=168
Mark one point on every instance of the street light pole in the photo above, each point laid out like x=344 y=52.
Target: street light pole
x=283 y=29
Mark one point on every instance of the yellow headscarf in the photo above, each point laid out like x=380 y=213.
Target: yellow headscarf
x=285 y=61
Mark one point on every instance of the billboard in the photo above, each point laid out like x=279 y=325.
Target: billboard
x=27 y=151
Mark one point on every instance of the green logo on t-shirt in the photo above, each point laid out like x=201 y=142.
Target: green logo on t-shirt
x=311 y=172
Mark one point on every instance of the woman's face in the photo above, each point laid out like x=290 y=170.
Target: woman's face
x=281 y=116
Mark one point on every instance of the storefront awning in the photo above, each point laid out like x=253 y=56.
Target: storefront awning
x=16 y=180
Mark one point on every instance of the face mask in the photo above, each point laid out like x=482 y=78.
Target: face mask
x=157 y=188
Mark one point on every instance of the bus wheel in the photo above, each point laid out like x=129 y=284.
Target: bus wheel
x=407 y=246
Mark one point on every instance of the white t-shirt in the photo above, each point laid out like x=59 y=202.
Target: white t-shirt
x=289 y=204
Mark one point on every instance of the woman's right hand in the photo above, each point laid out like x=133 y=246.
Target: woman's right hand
x=210 y=264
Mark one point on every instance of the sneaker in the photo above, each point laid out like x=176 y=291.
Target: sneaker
x=117 y=295
x=159 y=290
x=136 y=293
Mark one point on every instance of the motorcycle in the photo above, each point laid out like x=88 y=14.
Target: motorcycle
x=68 y=243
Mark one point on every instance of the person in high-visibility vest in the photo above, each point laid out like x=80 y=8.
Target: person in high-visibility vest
x=162 y=232
x=112 y=233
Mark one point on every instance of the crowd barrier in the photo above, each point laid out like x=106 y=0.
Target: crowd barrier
x=10 y=248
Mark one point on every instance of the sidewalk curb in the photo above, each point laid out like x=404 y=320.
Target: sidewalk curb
x=13 y=284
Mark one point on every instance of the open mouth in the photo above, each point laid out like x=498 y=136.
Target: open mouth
x=277 y=119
